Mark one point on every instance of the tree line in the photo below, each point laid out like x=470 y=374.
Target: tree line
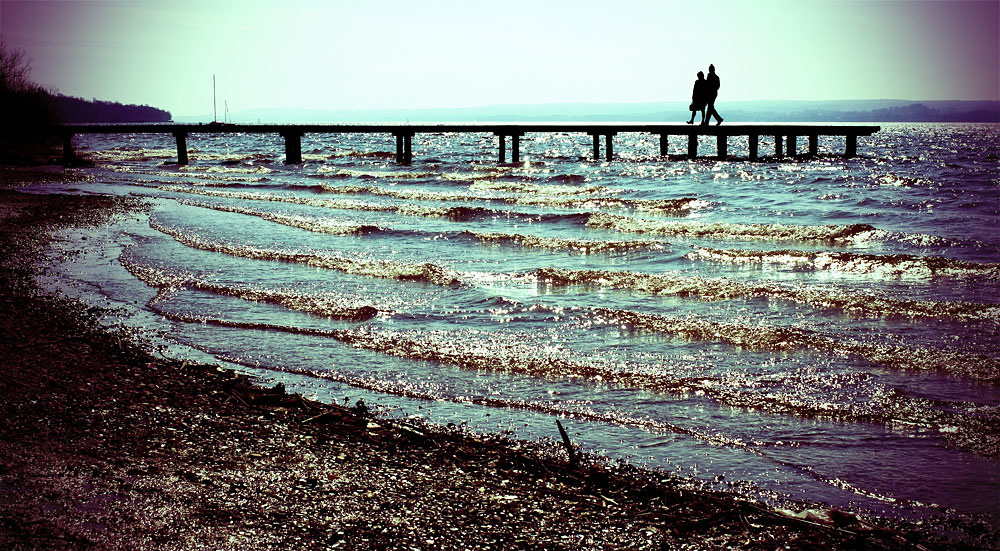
x=78 y=110
x=28 y=109
x=28 y=112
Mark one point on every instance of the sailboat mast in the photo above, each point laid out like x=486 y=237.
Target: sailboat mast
x=215 y=114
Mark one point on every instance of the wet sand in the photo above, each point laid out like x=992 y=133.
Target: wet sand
x=105 y=446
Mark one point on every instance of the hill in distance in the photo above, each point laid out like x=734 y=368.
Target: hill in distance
x=78 y=110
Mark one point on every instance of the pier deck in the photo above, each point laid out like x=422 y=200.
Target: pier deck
x=785 y=135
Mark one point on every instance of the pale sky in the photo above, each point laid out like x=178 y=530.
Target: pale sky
x=411 y=54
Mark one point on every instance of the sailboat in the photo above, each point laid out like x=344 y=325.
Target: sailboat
x=215 y=113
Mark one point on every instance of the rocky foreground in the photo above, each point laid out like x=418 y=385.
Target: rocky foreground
x=104 y=446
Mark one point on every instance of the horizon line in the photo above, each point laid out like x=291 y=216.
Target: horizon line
x=598 y=103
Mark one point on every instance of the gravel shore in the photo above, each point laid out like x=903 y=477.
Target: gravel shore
x=104 y=446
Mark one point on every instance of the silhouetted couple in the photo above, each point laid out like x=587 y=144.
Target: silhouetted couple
x=704 y=94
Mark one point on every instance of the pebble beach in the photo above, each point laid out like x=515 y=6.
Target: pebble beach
x=108 y=446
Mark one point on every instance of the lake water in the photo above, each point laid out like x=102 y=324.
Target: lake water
x=821 y=329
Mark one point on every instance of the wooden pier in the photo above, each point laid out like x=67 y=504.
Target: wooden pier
x=786 y=136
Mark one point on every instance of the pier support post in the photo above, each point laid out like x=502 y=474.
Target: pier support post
x=664 y=145
x=692 y=145
x=753 y=142
x=609 y=151
x=67 y=139
x=182 y=149
x=813 y=145
x=723 y=146
x=515 y=147
x=404 y=148
x=293 y=147
x=792 y=143
x=778 y=153
x=852 y=146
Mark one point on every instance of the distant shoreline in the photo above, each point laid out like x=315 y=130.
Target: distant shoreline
x=736 y=111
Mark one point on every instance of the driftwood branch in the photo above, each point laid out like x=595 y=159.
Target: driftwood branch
x=568 y=444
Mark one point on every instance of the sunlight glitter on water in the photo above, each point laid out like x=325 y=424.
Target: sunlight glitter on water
x=806 y=328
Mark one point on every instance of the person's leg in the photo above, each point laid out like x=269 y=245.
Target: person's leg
x=713 y=113
x=692 y=117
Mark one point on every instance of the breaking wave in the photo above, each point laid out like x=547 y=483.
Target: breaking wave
x=867 y=304
x=886 y=265
x=852 y=233
x=310 y=223
x=551 y=198
x=462 y=213
x=785 y=338
x=801 y=393
x=337 y=173
x=120 y=154
x=385 y=269
x=528 y=187
x=226 y=169
x=585 y=246
x=170 y=281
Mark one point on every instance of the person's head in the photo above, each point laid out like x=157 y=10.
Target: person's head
x=711 y=68
x=701 y=75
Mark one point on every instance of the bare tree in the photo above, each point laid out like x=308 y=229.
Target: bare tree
x=14 y=71
x=27 y=110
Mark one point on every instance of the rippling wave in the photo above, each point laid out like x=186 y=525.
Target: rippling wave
x=795 y=393
x=169 y=282
x=867 y=304
x=766 y=232
x=454 y=213
x=812 y=327
x=311 y=223
x=784 y=338
x=585 y=246
x=387 y=269
x=860 y=263
x=539 y=197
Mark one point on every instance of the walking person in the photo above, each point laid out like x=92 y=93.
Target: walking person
x=713 y=92
x=699 y=96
